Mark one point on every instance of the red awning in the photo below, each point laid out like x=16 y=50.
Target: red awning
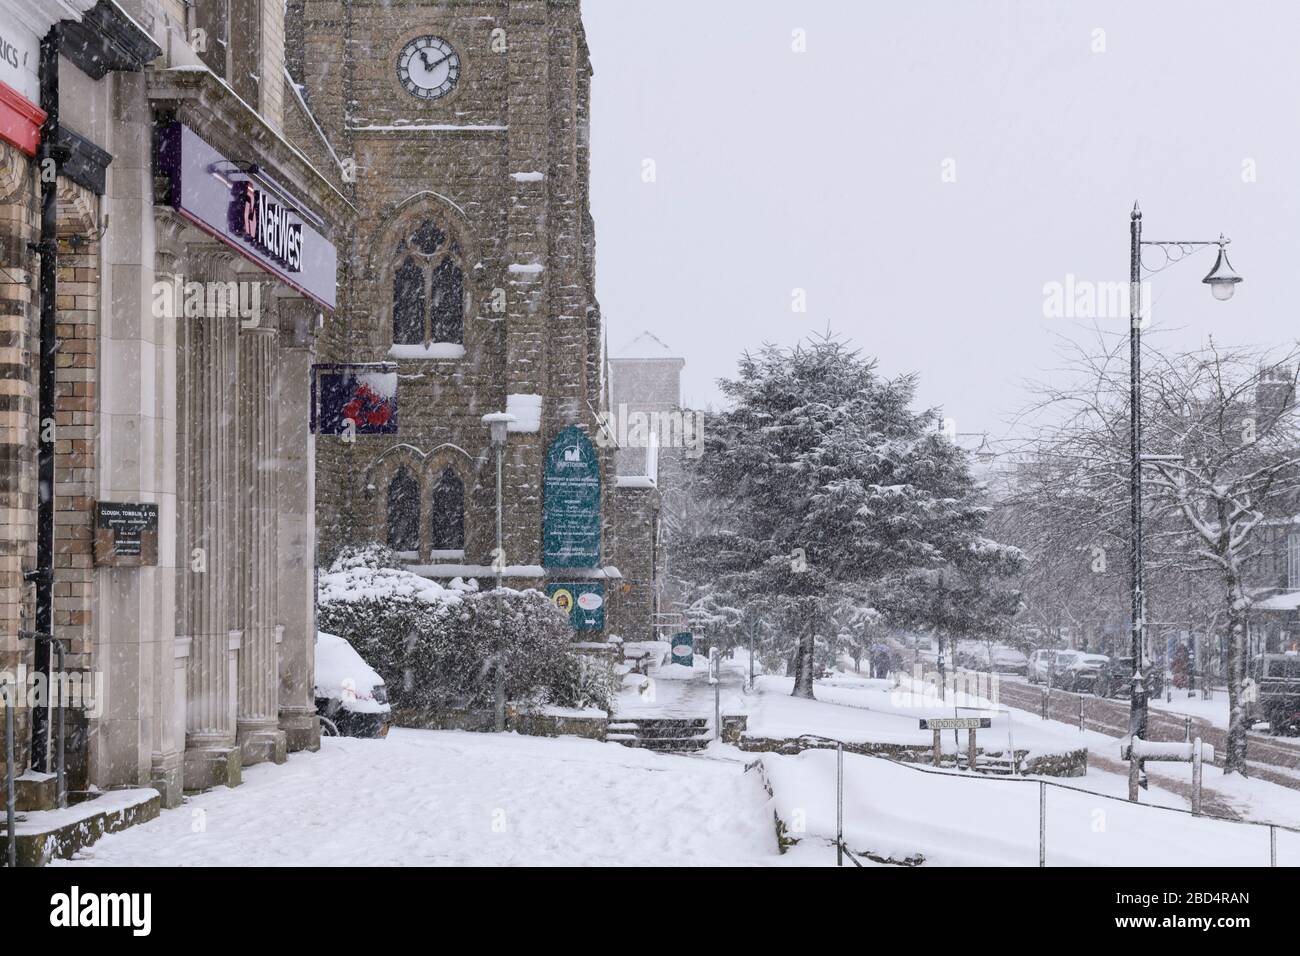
x=20 y=120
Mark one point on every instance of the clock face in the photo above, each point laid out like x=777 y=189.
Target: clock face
x=428 y=67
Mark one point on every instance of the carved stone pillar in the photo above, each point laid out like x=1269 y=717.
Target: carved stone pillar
x=296 y=480
x=260 y=737
x=208 y=562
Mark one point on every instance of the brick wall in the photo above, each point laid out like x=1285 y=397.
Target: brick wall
x=76 y=418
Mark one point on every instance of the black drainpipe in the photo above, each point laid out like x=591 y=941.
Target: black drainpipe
x=48 y=248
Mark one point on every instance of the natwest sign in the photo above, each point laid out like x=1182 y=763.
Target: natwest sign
x=268 y=225
x=247 y=210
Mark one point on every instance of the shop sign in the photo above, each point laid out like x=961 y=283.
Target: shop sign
x=242 y=206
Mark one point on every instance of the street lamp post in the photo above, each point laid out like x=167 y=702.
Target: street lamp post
x=1222 y=281
x=498 y=430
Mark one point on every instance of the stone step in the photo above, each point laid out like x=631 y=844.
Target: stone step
x=668 y=744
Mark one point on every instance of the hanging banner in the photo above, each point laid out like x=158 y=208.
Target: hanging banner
x=583 y=601
x=571 y=502
x=358 y=399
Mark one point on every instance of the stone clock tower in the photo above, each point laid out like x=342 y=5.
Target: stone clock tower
x=462 y=128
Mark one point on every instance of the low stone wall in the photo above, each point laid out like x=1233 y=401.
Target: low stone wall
x=59 y=834
x=523 y=722
x=1070 y=763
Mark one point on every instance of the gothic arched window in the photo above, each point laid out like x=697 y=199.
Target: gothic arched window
x=428 y=289
x=447 y=512
x=404 y=512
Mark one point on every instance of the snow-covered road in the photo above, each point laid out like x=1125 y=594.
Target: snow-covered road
x=449 y=798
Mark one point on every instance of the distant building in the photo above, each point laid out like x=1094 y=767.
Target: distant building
x=645 y=378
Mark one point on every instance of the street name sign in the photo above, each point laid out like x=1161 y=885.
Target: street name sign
x=956 y=723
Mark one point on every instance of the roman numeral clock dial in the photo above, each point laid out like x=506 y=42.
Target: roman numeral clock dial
x=428 y=67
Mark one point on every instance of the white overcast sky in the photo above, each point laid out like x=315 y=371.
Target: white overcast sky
x=822 y=171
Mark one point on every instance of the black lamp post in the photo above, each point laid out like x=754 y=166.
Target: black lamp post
x=1222 y=281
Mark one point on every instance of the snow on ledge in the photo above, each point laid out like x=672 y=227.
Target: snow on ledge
x=635 y=481
x=525 y=268
x=445 y=351
x=532 y=177
x=513 y=571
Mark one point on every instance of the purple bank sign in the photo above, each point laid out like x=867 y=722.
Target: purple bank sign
x=248 y=211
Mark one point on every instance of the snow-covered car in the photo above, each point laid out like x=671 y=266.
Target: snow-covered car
x=1116 y=679
x=1276 y=698
x=997 y=658
x=1045 y=665
x=1081 y=672
x=1008 y=660
x=349 y=694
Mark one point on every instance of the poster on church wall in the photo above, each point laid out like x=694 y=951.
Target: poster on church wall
x=583 y=601
x=571 y=502
x=356 y=399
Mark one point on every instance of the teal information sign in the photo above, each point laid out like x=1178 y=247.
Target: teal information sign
x=684 y=649
x=571 y=502
x=584 y=602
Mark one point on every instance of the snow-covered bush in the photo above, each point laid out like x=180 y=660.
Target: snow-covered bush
x=582 y=681
x=436 y=646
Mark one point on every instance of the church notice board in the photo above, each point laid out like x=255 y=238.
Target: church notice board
x=126 y=534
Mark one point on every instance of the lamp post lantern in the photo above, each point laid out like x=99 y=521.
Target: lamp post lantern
x=498 y=432
x=1222 y=280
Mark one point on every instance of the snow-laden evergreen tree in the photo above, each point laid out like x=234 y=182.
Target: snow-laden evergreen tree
x=828 y=488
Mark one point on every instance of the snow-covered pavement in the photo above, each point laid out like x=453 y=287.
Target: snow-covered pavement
x=426 y=797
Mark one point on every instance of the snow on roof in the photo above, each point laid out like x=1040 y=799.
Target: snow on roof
x=647 y=345
x=1287 y=601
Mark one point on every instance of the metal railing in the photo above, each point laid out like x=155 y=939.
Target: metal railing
x=841 y=850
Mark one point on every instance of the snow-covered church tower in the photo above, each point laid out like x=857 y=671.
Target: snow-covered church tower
x=464 y=132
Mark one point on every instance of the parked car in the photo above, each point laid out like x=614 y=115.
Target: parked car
x=1276 y=694
x=1081 y=673
x=1044 y=663
x=351 y=698
x=998 y=658
x=1116 y=679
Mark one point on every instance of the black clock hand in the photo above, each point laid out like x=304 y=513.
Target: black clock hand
x=424 y=58
x=429 y=66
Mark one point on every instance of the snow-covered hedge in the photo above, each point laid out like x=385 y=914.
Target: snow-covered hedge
x=436 y=646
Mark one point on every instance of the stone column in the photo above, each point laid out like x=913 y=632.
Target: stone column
x=207 y=450
x=260 y=737
x=169 y=653
x=296 y=557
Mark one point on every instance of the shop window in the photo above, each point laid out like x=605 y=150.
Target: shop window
x=428 y=289
x=448 y=513
x=404 y=514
